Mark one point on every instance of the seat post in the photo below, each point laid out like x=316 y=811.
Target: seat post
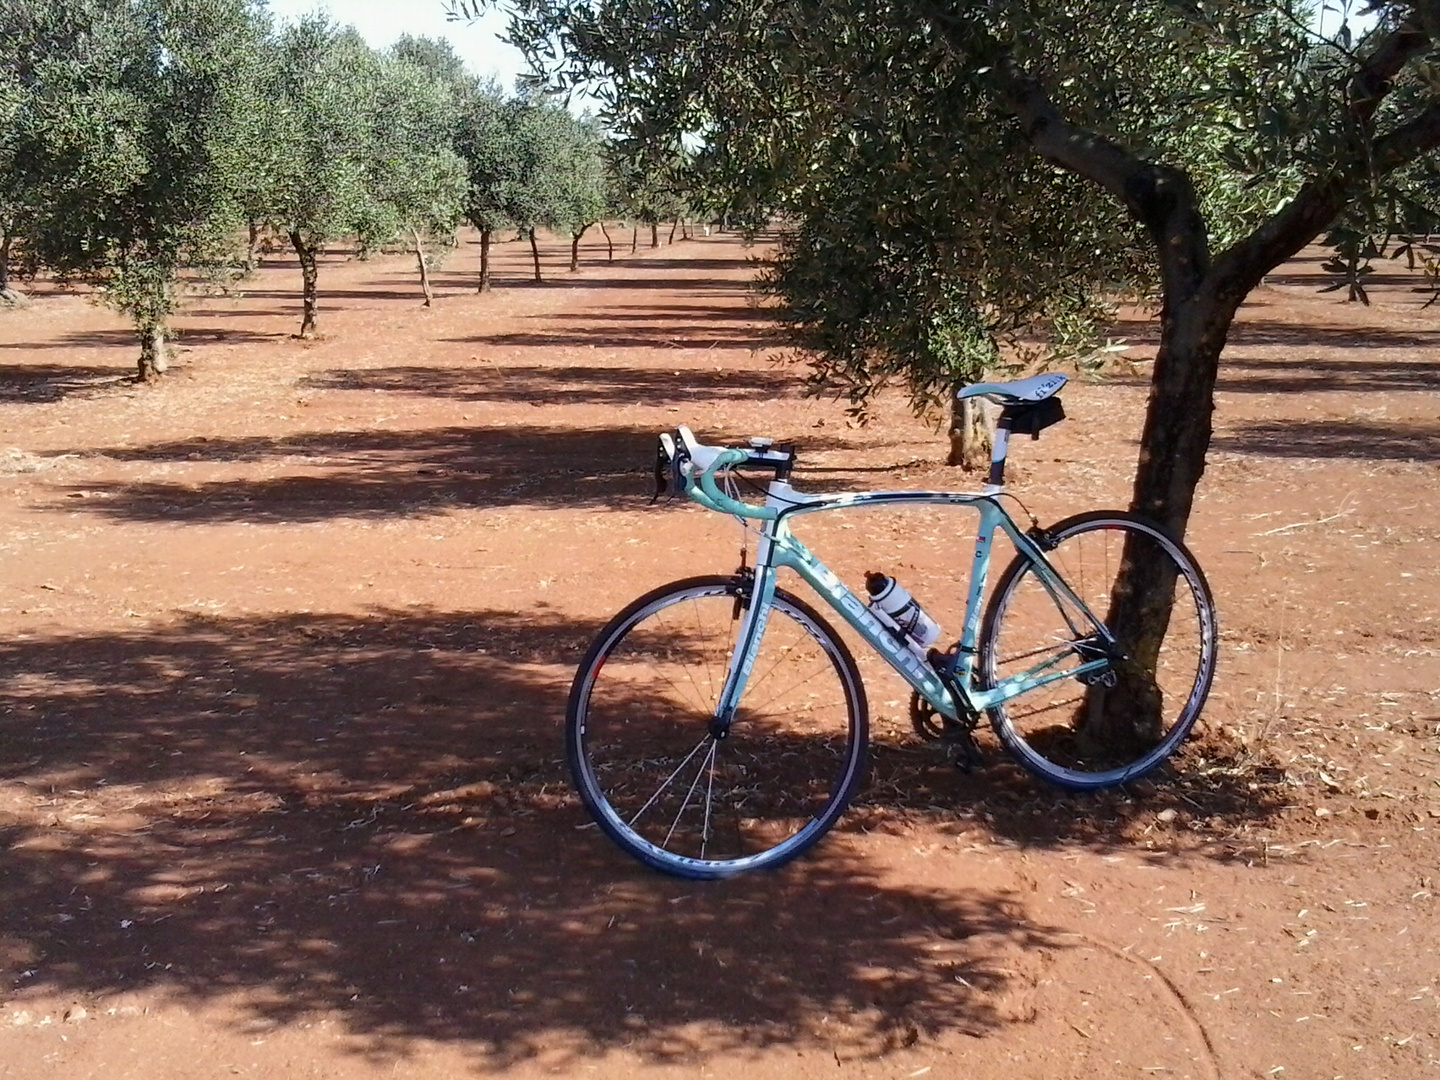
x=998 y=450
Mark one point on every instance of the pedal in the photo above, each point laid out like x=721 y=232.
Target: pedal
x=962 y=751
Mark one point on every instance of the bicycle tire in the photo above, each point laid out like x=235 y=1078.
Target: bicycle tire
x=1083 y=737
x=638 y=741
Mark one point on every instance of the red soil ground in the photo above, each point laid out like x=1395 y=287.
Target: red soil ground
x=286 y=641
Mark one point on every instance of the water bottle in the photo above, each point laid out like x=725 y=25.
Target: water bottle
x=899 y=607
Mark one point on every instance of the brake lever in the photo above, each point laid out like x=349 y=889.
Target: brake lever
x=667 y=468
x=662 y=471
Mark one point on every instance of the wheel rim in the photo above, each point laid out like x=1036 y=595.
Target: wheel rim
x=1096 y=736
x=664 y=787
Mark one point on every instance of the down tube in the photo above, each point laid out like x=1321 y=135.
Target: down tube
x=911 y=668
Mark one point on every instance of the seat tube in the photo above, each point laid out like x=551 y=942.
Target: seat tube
x=990 y=515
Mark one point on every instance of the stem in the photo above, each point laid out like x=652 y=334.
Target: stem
x=5 y=241
x=252 y=248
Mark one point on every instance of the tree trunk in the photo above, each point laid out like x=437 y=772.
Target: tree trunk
x=485 y=235
x=1127 y=717
x=424 y=269
x=1178 y=424
x=154 y=355
x=971 y=433
x=609 y=243
x=673 y=230
x=655 y=234
x=575 y=248
x=252 y=248
x=535 y=254
x=635 y=239
x=309 y=274
x=8 y=296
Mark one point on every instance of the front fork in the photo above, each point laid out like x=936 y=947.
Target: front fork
x=756 y=592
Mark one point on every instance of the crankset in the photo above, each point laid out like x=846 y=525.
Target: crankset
x=956 y=736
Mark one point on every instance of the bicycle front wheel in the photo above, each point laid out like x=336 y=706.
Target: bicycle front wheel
x=1121 y=721
x=659 y=782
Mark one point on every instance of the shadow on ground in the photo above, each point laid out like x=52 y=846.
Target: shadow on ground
x=1210 y=786
x=381 y=474
x=1254 y=332
x=1263 y=376
x=113 y=339
x=35 y=384
x=378 y=474
x=1332 y=439
x=543 y=384
x=367 y=818
x=604 y=338
x=689 y=284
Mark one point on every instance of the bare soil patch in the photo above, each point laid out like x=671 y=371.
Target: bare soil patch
x=285 y=643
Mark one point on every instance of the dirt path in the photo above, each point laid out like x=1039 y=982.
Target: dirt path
x=285 y=642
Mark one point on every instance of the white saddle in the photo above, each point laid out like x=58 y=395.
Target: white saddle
x=1021 y=391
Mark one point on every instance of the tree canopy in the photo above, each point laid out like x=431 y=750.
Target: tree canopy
x=146 y=146
x=965 y=180
x=126 y=142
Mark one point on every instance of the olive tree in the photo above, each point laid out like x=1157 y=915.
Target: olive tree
x=643 y=181
x=582 y=194
x=417 y=179
x=323 y=106
x=132 y=137
x=547 y=173
x=485 y=142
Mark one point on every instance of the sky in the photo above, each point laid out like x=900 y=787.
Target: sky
x=380 y=22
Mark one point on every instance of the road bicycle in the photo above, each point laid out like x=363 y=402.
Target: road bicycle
x=719 y=724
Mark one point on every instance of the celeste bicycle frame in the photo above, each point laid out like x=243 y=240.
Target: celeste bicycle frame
x=778 y=548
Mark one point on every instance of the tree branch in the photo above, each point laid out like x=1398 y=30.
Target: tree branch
x=1320 y=200
x=1160 y=197
x=1052 y=136
x=1372 y=80
x=1089 y=155
x=1408 y=142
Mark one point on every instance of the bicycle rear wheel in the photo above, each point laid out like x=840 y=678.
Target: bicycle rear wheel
x=1118 y=724
x=655 y=778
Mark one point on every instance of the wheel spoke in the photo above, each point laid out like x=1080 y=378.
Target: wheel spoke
x=685 y=803
x=656 y=778
x=661 y=789
x=1117 y=729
